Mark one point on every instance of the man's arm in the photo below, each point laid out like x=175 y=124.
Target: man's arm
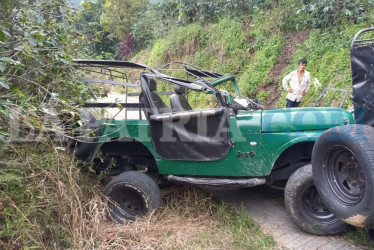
x=285 y=81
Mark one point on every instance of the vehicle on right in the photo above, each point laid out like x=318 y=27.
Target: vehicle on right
x=343 y=156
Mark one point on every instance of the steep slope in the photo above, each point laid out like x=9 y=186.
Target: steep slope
x=273 y=87
x=260 y=54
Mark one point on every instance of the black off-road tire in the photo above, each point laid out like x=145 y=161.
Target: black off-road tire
x=343 y=171
x=132 y=194
x=306 y=208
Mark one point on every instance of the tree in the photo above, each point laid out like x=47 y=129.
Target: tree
x=155 y=22
x=37 y=43
x=326 y=13
x=98 y=41
x=126 y=47
x=119 y=16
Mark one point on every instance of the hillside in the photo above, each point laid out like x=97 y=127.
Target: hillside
x=260 y=54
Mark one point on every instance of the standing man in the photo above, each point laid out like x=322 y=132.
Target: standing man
x=297 y=84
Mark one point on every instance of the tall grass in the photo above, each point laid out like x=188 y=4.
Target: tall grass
x=45 y=198
x=48 y=202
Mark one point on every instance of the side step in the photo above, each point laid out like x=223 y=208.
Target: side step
x=236 y=183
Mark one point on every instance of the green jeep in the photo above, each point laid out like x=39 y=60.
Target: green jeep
x=233 y=143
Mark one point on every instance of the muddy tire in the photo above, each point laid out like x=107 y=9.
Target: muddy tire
x=343 y=170
x=132 y=194
x=305 y=207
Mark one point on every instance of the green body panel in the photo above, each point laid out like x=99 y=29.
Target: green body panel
x=258 y=138
x=297 y=119
x=245 y=127
x=275 y=143
x=114 y=129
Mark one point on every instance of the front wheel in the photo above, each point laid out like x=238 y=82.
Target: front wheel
x=132 y=194
x=306 y=208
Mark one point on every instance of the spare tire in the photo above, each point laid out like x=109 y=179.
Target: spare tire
x=86 y=136
x=343 y=172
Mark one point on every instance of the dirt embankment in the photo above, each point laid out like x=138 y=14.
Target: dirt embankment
x=273 y=86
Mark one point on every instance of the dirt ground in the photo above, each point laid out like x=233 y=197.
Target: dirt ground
x=266 y=207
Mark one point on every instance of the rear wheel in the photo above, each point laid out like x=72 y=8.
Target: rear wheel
x=306 y=208
x=132 y=194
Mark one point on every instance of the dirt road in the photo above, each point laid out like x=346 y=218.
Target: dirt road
x=114 y=112
x=266 y=206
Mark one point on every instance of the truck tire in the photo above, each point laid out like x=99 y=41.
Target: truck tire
x=86 y=137
x=306 y=208
x=132 y=194
x=343 y=171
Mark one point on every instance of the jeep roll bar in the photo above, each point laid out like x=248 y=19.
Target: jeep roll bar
x=362 y=42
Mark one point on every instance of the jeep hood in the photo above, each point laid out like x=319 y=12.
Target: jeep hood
x=299 y=119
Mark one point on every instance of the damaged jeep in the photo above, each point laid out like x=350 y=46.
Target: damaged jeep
x=229 y=141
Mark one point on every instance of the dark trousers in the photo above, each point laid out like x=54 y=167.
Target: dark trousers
x=292 y=104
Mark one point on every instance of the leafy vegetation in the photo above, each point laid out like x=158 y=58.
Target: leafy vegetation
x=328 y=13
x=37 y=46
x=46 y=201
x=98 y=42
x=120 y=15
x=328 y=60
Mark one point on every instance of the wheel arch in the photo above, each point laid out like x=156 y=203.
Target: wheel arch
x=290 y=159
x=131 y=149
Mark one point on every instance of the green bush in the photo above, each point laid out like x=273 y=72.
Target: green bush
x=181 y=41
x=261 y=63
x=227 y=49
x=331 y=13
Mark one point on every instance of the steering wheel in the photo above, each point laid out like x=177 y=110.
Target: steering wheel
x=255 y=105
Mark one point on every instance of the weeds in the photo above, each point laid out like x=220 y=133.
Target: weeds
x=360 y=237
x=43 y=195
x=48 y=202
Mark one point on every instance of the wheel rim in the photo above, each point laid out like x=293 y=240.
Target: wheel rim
x=344 y=175
x=314 y=206
x=130 y=202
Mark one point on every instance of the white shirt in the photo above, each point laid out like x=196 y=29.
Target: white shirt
x=292 y=81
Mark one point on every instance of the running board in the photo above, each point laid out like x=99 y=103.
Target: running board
x=237 y=183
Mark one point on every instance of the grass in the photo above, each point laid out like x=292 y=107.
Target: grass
x=48 y=202
x=359 y=236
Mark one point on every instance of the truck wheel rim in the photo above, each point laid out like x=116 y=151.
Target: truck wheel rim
x=131 y=202
x=344 y=175
x=315 y=207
